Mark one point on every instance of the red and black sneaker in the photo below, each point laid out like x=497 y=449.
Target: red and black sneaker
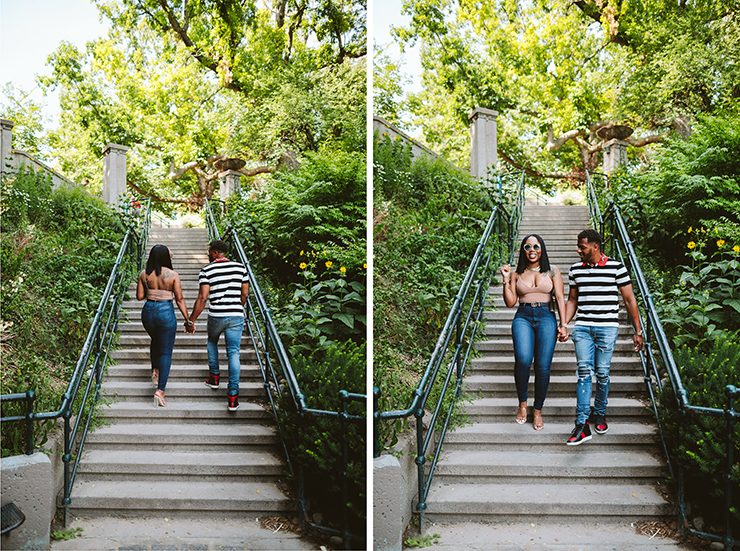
x=212 y=381
x=233 y=402
x=579 y=435
x=600 y=425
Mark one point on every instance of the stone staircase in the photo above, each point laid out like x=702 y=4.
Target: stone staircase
x=497 y=470
x=193 y=458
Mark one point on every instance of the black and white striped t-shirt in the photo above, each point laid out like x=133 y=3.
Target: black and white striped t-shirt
x=225 y=278
x=598 y=291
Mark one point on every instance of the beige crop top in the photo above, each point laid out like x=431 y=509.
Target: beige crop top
x=158 y=294
x=528 y=294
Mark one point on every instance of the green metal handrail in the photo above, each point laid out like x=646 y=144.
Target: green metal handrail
x=612 y=227
x=459 y=333
x=271 y=382
x=83 y=391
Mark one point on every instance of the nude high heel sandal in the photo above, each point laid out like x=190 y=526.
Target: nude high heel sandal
x=159 y=400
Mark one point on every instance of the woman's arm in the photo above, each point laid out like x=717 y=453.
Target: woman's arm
x=557 y=282
x=140 y=290
x=509 y=278
x=179 y=299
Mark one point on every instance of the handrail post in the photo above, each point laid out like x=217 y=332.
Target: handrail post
x=376 y=420
x=731 y=393
x=30 y=443
x=420 y=461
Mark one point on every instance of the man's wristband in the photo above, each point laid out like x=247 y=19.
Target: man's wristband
x=639 y=333
x=189 y=323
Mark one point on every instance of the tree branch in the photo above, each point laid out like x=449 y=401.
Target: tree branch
x=153 y=196
x=555 y=143
x=533 y=172
x=640 y=142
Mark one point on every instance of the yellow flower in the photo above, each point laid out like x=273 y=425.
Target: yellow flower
x=365 y=265
x=343 y=270
x=302 y=265
x=692 y=244
x=301 y=253
x=720 y=243
x=715 y=230
x=689 y=230
x=329 y=263
x=736 y=248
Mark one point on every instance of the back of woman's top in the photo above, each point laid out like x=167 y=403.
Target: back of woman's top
x=540 y=293
x=158 y=294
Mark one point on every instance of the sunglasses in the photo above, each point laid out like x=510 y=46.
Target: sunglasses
x=529 y=247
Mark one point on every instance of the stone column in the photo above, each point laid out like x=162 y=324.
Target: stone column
x=6 y=145
x=615 y=155
x=114 y=172
x=230 y=184
x=482 y=141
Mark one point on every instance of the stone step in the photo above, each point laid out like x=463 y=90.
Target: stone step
x=181 y=390
x=576 y=500
x=561 y=364
x=179 y=355
x=183 y=466
x=508 y=435
x=128 y=373
x=561 y=410
x=223 y=499
x=548 y=466
x=190 y=437
x=502 y=386
x=140 y=339
x=184 y=410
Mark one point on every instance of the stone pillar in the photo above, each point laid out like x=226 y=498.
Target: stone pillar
x=230 y=184
x=615 y=155
x=6 y=145
x=114 y=172
x=389 y=507
x=482 y=141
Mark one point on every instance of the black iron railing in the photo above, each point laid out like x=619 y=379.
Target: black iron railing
x=82 y=395
x=618 y=244
x=455 y=344
x=270 y=351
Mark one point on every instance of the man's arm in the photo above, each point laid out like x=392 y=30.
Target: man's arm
x=571 y=305
x=200 y=302
x=245 y=293
x=633 y=313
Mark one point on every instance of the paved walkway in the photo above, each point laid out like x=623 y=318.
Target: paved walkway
x=166 y=534
x=545 y=537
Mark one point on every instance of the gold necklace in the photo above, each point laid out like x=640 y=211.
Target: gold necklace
x=537 y=269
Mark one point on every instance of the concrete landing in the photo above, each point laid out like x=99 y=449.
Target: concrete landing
x=169 y=534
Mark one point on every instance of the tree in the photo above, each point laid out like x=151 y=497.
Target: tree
x=554 y=75
x=189 y=85
x=28 y=119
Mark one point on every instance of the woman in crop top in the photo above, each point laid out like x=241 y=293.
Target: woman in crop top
x=534 y=329
x=157 y=283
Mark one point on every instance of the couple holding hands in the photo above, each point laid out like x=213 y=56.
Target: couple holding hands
x=595 y=285
x=224 y=283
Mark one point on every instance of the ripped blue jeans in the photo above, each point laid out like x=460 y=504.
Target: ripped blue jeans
x=594 y=349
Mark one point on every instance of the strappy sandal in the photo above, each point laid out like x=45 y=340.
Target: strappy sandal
x=155 y=377
x=159 y=400
x=538 y=417
x=519 y=419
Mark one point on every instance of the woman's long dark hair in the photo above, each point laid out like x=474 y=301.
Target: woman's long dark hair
x=159 y=256
x=544 y=261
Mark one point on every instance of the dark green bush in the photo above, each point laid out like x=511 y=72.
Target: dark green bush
x=699 y=443
x=317 y=441
x=57 y=249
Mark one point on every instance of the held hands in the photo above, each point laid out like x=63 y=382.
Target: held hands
x=189 y=329
x=562 y=333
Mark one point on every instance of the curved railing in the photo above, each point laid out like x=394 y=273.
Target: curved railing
x=82 y=395
x=455 y=344
x=612 y=227
x=266 y=338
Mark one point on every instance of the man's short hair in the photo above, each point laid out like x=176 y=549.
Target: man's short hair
x=592 y=236
x=218 y=246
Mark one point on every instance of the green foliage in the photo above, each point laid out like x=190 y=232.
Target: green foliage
x=423 y=541
x=57 y=249
x=320 y=206
x=697 y=442
x=66 y=535
x=324 y=309
x=317 y=442
x=28 y=120
x=705 y=302
x=428 y=220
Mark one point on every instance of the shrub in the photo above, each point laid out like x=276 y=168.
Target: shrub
x=697 y=442
x=57 y=249
x=317 y=442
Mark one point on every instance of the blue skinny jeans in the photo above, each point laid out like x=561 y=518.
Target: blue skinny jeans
x=159 y=321
x=232 y=328
x=594 y=350
x=534 y=331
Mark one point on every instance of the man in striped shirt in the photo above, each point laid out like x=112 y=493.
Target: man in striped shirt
x=595 y=284
x=225 y=284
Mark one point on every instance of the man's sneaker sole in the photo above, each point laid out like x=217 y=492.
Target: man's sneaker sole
x=597 y=430
x=579 y=442
x=209 y=384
